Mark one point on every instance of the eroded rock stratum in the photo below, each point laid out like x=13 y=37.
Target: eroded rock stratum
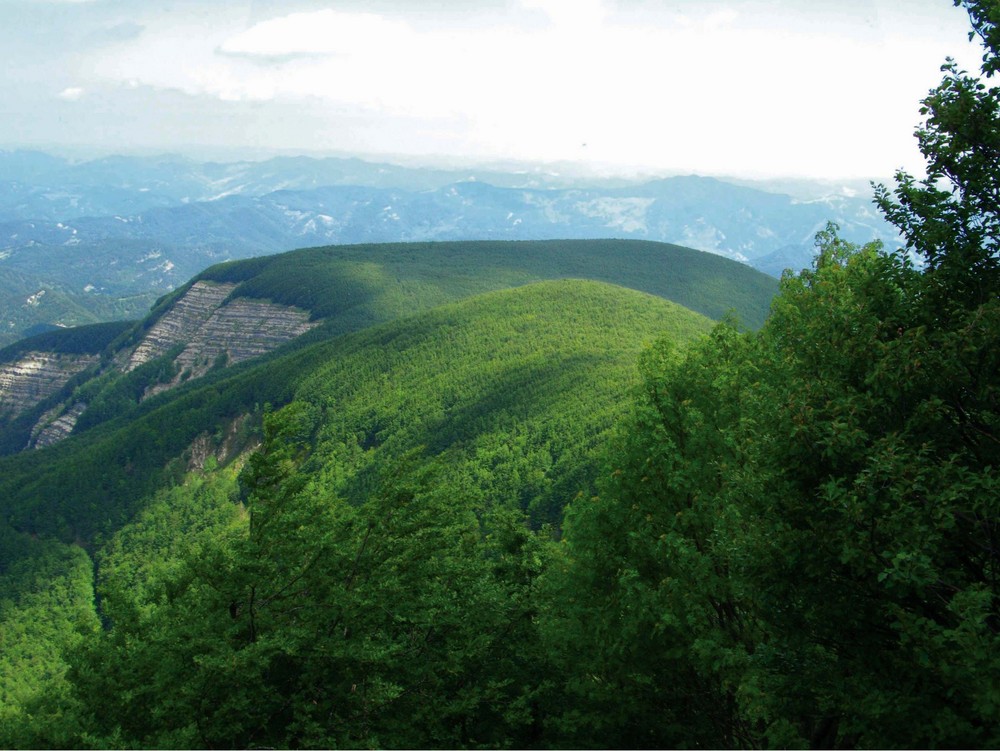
x=35 y=376
x=211 y=329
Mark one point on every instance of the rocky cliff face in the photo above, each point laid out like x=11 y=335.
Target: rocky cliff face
x=236 y=331
x=181 y=323
x=224 y=335
x=35 y=376
x=233 y=440
x=215 y=333
x=241 y=330
x=55 y=425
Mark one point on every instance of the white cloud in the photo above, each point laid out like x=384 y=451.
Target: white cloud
x=721 y=18
x=711 y=90
x=569 y=13
x=325 y=32
x=71 y=93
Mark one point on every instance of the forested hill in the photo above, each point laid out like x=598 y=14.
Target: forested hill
x=412 y=433
x=377 y=282
x=241 y=310
x=510 y=351
x=79 y=340
x=460 y=507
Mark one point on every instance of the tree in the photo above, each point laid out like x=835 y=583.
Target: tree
x=805 y=520
x=951 y=218
x=867 y=541
x=641 y=617
x=405 y=621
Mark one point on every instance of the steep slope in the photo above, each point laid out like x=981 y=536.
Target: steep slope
x=241 y=310
x=208 y=326
x=35 y=369
x=510 y=394
x=190 y=333
x=550 y=362
x=35 y=376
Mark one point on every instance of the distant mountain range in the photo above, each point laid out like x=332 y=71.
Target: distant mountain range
x=90 y=241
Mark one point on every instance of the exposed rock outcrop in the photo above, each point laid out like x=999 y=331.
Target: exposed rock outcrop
x=229 y=442
x=181 y=323
x=36 y=376
x=213 y=334
x=238 y=331
x=241 y=330
x=54 y=427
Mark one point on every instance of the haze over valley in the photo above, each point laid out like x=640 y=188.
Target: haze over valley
x=83 y=242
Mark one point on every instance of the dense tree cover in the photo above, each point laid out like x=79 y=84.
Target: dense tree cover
x=796 y=542
x=78 y=340
x=791 y=546
x=792 y=543
x=536 y=371
x=357 y=285
x=351 y=288
x=46 y=610
x=517 y=388
x=318 y=622
x=505 y=398
x=135 y=566
x=798 y=535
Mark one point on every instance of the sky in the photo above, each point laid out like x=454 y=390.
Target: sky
x=751 y=88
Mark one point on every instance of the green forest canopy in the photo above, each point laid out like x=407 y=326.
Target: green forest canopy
x=358 y=285
x=95 y=481
x=510 y=395
x=791 y=542
x=351 y=287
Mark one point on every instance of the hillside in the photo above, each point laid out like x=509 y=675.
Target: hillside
x=33 y=369
x=378 y=282
x=240 y=310
x=499 y=495
x=483 y=364
x=553 y=336
x=511 y=394
x=517 y=389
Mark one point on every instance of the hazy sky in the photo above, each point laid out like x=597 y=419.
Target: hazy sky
x=819 y=88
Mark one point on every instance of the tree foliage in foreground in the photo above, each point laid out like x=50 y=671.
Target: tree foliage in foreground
x=797 y=544
x=803 y=523
x=402 y=622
